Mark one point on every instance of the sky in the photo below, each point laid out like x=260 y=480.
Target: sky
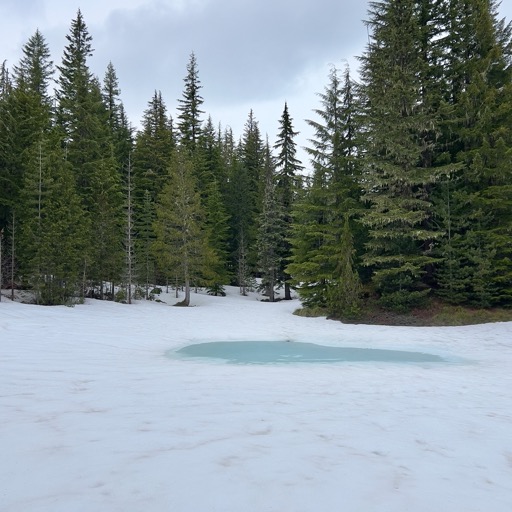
x=97 y=412
x=250 y=55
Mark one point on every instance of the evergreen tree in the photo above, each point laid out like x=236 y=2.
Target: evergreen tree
x=270 y=231
x=35 y=69
x=145 y=238
x=25 y=112
x=84 y=119
x=247 y=198
x=288 y=169
x=119 y=128
x=240 y=212
x=319 y=217
x=344 y=292
x=217 y=226
x=209 y=160
x=154 y=147
x=399 y=170
x=181 y=243
x=473 y=205
x=189 y=107
x=52 y=226
x=73 y=96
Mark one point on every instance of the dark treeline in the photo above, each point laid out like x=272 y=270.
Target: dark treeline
x=408 y=194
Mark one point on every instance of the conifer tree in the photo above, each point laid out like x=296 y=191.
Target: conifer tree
x=399 y=145
x=83 y=119
x=288 y=184
x=247 y=198
x=119 y=127
x=270 y=231
x=181 y=243
x=52 y=226
x=189 y=107
x=153 y=149
x=25 y=111
x=152 y=154
x=319 y=217
x=473 y=205
x=217 y=226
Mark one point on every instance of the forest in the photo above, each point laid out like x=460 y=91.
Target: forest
x=406 y=197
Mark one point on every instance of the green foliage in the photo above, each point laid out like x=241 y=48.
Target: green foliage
x=189 y=107
x=216 y=290
x=410 y=189
x=271 y=232
x=52 y=227
x=288 y=185
x=400 y=120
x=181 y=245
x=322 y=252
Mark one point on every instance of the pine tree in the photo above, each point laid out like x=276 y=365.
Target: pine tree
x=189 y=107
x=344 y=292
x=333 y=195
x=474 y=204
x=153 y=149
x=25 y=111
x=83 y=119
x=52 y=226
x=250 y=186
x=119 y=128
x=152 y=154
x=181 y=243
x=217 y=226
x=288 y=169
x=399 y=118
x=73 y=95
x=270 y=231
x=35 y=69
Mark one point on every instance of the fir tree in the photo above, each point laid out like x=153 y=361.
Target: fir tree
x=319 y=217
x=52 y=226
x=474 y=204
x=181 y=243
x=288 y=169
x=189 y=107
x=217 y=226
x=26 y=116
x=270 y=231
x=399 y=145
x=154 y=147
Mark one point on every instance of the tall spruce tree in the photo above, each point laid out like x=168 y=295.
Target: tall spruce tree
x=83 y=119
x=25 y=110
x=474 y=205
x=181 y=243
x=189 y=107
x=120 y=130
x=51 y=225
x=271 y=230
x=252 y=160
x=288 y=184
x=152 y=154
x=319 y=217
x=400 y=120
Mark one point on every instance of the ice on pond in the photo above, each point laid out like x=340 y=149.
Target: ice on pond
x=264 y=352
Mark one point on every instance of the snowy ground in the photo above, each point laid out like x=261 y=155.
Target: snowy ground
x=95 y=418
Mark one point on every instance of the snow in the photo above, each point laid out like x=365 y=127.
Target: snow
x=94 y=416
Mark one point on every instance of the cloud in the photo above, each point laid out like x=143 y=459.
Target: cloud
x=247 y=51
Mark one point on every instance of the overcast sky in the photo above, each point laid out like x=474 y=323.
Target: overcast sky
x=250 y=53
